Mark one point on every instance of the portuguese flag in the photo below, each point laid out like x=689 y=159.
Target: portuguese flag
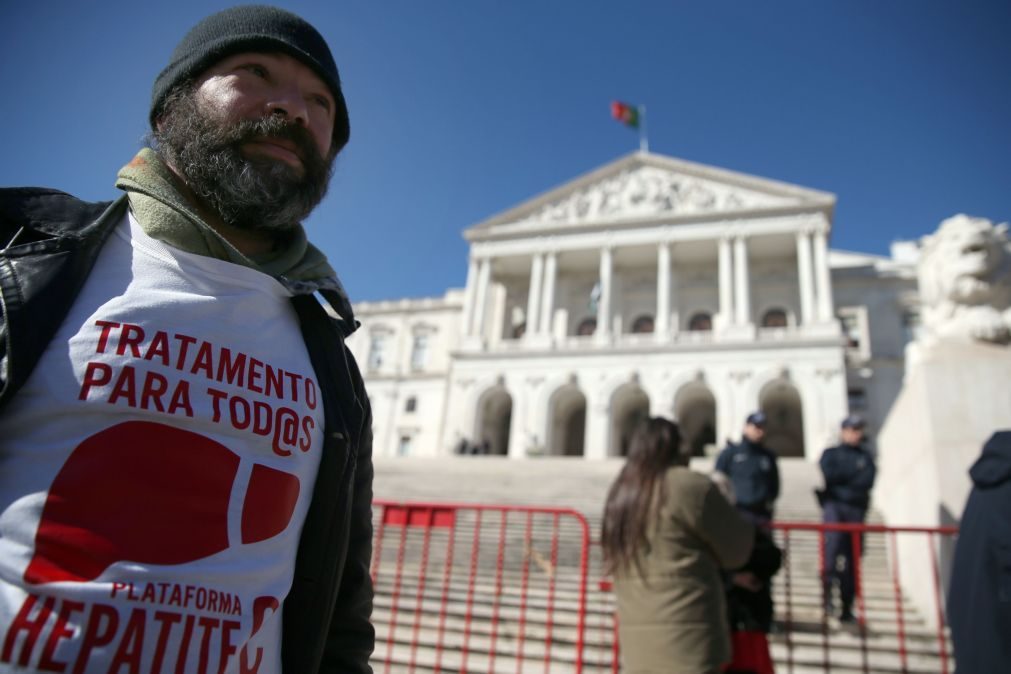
x=625 y=113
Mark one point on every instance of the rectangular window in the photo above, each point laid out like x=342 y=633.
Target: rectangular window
x=853 y=321
x=857 y=399
x=419 y=352
x=376 y=351
x=404 y=446
x=911 y=324
x=411 y=405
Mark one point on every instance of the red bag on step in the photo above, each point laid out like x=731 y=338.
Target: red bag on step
x=751 y=653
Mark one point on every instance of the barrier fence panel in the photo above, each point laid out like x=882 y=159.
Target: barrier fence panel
x=479 y=588
x=899 y=602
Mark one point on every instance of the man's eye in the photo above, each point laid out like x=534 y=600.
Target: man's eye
x=322 y=101
x=257 y=70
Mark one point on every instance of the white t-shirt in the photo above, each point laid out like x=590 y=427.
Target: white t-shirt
x=156 y=469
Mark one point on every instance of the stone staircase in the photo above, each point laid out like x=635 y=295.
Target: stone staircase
x=505 y=600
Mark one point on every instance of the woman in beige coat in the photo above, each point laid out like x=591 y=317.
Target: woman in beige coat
x=667 y=534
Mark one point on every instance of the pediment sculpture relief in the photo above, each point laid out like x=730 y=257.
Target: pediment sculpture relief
x=648 y=191
x=965 y=281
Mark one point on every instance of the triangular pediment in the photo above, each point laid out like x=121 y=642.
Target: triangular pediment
x=644 y=187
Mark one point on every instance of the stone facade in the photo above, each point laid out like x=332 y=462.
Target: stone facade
x=649 y=286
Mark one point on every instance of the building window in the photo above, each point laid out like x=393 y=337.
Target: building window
x=419 y=351
x=411 y=404
x=774 y=318
x=519 y=330
x=404 y=446
x=911 y=324
x=857 y=399
x=851 y=330
x=700 y=322
x=587 y=327
x=643 y=324
x=853 y=322
x=377 y=349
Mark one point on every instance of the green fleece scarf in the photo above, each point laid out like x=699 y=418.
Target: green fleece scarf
x=164 y=214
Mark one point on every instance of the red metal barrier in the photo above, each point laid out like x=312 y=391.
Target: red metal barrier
x=514 y=598
x=481 y=588
x=881 y=640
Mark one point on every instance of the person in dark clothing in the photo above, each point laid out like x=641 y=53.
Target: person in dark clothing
x=749 y=606
x=849 y=472
x=753 y=474
x=979 y=598
x=749 y=600
x=752 y=470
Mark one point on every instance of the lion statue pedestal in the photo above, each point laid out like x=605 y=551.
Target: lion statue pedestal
x=956 y=391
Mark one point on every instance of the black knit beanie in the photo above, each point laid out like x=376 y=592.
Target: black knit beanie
x=256 y=28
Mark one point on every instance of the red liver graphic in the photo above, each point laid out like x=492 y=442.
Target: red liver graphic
x=270 y=501
x=149 y=493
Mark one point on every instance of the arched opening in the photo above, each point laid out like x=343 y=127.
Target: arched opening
x=784 y=431
x=586 y=327
x=629 y=407
x=494 y=418
x=774 y=318
x=643 y=324
x=567 y=426
x=700 y=322
x=695 y=412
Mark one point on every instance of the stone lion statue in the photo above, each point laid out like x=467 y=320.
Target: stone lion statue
x=965 y=281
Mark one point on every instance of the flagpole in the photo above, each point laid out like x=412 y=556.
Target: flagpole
x=643 y=139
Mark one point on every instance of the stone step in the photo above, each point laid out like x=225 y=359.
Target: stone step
x=500 y=648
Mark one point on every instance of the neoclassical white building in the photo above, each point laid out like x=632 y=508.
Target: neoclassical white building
x=652 y=286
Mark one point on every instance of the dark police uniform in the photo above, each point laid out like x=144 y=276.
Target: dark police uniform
x=849 y=473
x=754 y=475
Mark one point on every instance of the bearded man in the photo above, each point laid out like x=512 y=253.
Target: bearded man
x=185 y=440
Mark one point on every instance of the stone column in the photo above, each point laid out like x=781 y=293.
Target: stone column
x=468 y=297
x=518 y=424
x=534 y=296
x=598 y=428
x=726 y=284
x=822 y=278
x=548 y=298
x=804 y=277
x=742 y=294
x=661 y=325
x=604 y=305
x=481 y=299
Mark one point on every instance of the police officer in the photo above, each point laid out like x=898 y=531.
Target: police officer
x=849 y=471
x=752 y=470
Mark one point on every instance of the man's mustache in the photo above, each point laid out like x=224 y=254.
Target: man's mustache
x=247 y=130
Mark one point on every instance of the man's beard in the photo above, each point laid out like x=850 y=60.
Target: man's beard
x=266 y=195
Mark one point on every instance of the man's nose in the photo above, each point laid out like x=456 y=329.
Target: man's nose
x=289 y=104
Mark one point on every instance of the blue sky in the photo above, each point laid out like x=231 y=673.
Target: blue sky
x=463 y=108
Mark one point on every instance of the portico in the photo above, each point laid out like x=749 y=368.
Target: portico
x=650 y=286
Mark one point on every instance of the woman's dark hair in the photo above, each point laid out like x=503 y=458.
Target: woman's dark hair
x=638 y=491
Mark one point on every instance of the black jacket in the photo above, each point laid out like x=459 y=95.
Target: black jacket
x=979 y=597
x=748 y=610
x=849 y=473
x=50 y=241
x=754 y=474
